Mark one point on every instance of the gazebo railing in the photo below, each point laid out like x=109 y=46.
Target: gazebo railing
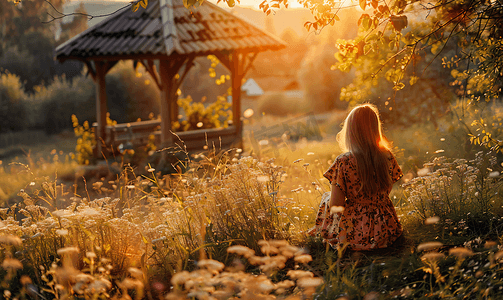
x=138 y=133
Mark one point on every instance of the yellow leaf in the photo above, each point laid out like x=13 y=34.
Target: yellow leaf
x=135 y=6
x=363 y=4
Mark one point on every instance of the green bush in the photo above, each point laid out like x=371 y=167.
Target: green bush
x=131 y=94
x=280 y=105
x=53 y=106
x=12 y=109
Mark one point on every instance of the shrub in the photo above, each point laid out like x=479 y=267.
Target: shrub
x=12 y=109
x=200 y=116
x=86 y=141
x=280 y=105
x=53 y=106
x=131 y=93
x=456 y=189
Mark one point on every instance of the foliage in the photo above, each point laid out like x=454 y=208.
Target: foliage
x=212 y=281
x=457 y=189
x=52 y=106
x=322 y=85
x=12 y=108
x=278 y=104
x=86 y=141
x=131 y=93
x=201 y=116
x=26 y=47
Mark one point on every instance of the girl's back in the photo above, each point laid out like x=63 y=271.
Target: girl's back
x=361 y=181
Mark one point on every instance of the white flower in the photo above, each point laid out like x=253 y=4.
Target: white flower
x=62 y=231
x=429 y=246
x=431 y=220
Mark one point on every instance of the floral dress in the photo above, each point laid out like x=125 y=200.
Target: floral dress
x=367 y=222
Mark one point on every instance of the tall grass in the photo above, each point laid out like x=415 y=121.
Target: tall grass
x=197 y=234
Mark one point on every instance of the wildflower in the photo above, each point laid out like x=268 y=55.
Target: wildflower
x=289 y=251
x=494 y=174
x=307 y=282
x=297 y=274
x=241 y=250
x=303 y=258
x=180 y=278
x=12 y=263
x=62 y=213
x=490 y=244
x=460 y=252
x=431 y=220
x=97 y=185
x=10 y=239
x=67 y=250
x=423 y=172
x=84 y=278
x=498 y=255
x=163 y=238
x=267 y=249
x=432 y=256
x=285 y=284
x=211 y=264
x=371 y=296
x=62 y=231
x=129 y=283
x=263 y=178
x=135 y=273
x=265 y=286
x=429 y=246
x=25 y=280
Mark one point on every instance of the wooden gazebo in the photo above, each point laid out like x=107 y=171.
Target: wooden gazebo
x=166 y=37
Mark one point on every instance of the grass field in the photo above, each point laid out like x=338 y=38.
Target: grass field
x=233 y=225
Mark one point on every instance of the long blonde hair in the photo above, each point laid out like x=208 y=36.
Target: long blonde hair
x=362 y=135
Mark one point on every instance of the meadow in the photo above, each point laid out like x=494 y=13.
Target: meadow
x=232 y=226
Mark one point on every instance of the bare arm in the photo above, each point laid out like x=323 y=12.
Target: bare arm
x=337 y=197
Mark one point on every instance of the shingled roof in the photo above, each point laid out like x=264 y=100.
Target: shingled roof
x=166 y=27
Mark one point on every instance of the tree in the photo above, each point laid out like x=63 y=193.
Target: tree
x=27 y=43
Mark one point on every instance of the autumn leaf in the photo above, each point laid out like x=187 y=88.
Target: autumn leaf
x=135 y=6
x=398 y=22
x=363 y=4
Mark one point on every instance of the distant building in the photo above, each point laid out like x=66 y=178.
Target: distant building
x=251 y=89
x=289 y=86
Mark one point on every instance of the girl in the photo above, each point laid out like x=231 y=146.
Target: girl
x=358 y=211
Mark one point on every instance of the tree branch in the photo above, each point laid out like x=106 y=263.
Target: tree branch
x=90 y=17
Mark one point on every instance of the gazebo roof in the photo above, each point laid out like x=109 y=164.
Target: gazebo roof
x=164 y=28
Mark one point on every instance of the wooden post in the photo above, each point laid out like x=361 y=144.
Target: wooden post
x=101 y=105
x=167 y=86
x=173 y=101
x=236 y=77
